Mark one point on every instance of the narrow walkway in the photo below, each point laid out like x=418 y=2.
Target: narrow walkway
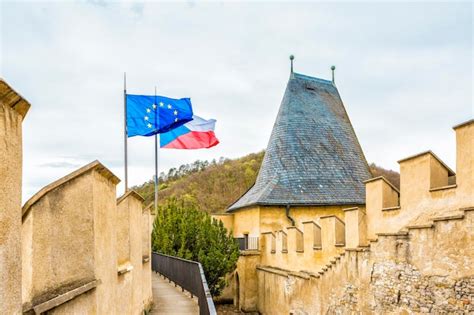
x=168 y=299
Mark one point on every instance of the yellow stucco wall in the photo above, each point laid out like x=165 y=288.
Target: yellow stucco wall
x=136 y=255
x=247 y=222
x=227 y=220
x=387 y=257
x=395 y=275
x=125 y=267
x=59 y=240
x=147 y=294
x=10 y=198
x=465 y=163
x=70 y=240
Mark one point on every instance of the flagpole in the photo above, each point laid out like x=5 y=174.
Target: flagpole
x=156 y=158
x=125 y=128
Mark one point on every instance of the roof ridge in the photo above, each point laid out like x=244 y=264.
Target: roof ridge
x=307 y=77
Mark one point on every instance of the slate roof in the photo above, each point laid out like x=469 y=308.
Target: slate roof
x=313 y=156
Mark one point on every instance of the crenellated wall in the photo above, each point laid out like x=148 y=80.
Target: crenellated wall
x=397 y=274
x=407 y=250
x=428 y=188
x=69 y=241
x=84 y=252
x=128 y=272
x=70 y=249
x=147 y=228
x=13 y=109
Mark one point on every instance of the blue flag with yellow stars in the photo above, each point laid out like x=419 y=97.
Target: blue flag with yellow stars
x=149 y=115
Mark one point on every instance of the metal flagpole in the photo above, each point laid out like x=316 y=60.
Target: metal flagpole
x=125 y=128
x=156 y=157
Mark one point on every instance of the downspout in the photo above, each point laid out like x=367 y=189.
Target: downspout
x=288 y=214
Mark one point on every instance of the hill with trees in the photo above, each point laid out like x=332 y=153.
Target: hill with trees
x=214 y=185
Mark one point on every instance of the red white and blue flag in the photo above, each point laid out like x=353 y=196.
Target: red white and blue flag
x=196 y=134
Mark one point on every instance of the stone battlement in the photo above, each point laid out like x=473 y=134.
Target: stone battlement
x=395 y=226
x=73 y=248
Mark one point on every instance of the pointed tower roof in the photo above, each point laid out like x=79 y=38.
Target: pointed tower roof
x=313 y=156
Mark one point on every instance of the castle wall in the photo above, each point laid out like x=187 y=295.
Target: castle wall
x=407 y=251
x=131 y=272
x=70 y=242
x=147 y=294
x=12 y=110
x=136 y=255
x=396 y=275
x=247 y=222
x=227 y=220
x=124 y=266
x=10 y=212
x=63 y=252
x=247 y=278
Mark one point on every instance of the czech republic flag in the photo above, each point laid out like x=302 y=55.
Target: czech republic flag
x=196 y=134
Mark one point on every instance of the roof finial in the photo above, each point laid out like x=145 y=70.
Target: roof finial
x=332 y=69
x=291 y=60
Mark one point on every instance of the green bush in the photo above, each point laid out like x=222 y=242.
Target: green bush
x=181 y=229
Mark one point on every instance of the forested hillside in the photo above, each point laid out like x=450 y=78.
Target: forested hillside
x=214 y=185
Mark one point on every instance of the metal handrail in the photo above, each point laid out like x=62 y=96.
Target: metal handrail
x=247 y=243
x=189 y=275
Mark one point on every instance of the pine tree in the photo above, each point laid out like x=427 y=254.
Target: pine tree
x=181 y=229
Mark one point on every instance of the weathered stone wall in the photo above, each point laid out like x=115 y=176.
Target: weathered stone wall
x=392 y=276
x=13 y=109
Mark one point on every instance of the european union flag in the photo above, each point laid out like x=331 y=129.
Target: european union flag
x=149 y=115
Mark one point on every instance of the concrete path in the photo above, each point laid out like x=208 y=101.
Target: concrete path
x=168 y=299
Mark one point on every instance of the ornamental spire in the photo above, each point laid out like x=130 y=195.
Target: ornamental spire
x=291 y=69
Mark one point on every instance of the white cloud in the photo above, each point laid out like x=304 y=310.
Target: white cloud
x=404 y=72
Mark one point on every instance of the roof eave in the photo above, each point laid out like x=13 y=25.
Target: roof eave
x=296 y=204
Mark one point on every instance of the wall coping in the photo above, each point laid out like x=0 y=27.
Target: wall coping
x=443 y=187
x=96 y=165
x=463 y=124
x=450 y=171
x=308 y=222
x=294 y=227
x=449 y=217
x=149 y=208
x=65 y=297
x=132 y=193
x=331 y=216
x=385 y=180
x=250 y=252
x=391 y=208
x=11 y=98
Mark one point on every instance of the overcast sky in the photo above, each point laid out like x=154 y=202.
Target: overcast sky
x=404 y=72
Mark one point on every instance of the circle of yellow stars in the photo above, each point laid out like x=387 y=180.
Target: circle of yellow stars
x=153 y=107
